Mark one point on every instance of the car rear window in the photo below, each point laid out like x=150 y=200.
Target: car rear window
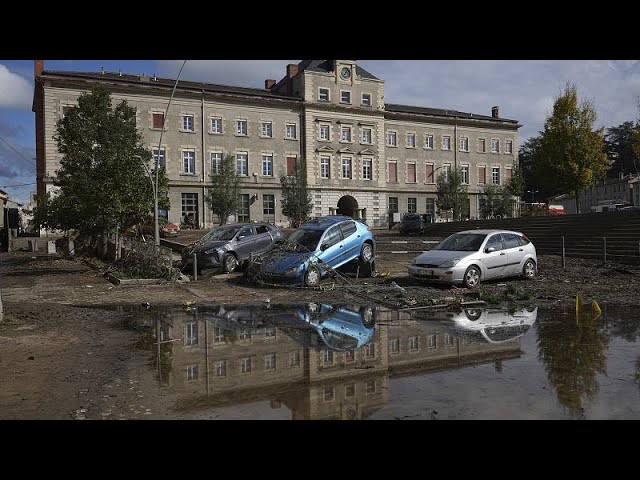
x=511 y=240
x=348 y=228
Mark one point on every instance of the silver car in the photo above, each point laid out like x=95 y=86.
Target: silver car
x=467 y=257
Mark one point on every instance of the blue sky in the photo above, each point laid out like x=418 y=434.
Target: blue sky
x=523 y=89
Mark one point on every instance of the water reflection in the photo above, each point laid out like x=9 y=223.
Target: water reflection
x=319 y=361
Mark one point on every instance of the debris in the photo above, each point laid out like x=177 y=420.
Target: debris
x=267 y=300
x=399 y=288
x=31 y=358
x=146 y=304
x=89 y=286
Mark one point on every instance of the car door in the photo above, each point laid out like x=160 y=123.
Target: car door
x=245 y=239
x=496 y=260
x=515 y=253
x=263 y=240
x=331 y=247
x=350 y=240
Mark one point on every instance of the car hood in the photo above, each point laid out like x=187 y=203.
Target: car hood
x=284 y=261
x=437 y=257
x=201 y=247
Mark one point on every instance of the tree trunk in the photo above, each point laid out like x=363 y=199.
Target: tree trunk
x=577 y=195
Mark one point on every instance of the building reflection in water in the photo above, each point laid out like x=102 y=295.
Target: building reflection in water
x=319 y=361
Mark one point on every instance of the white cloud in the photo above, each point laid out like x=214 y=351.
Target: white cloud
x=15 y=91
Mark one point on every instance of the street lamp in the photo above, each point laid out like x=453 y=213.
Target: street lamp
x=532 y=192
x=154 y=190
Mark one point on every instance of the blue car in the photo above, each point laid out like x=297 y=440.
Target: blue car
x=317 y=248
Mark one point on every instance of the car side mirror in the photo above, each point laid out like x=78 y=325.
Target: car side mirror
x=490 y=249
x=323 y=247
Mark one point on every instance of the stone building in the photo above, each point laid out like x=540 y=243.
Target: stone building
x=365 y=158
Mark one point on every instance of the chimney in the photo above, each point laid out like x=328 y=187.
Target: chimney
x=494 y=112
x=38 y=67
x=292 y=70
x=268 y=83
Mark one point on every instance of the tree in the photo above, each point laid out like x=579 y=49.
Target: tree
x=570 y=156
x=102 y=182
x=452 y=194
x=619 y=147
x=296 y=200
x=223 y=197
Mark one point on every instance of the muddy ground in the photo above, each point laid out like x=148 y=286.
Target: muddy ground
x=62 y=360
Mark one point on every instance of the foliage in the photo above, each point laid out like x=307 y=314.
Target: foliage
x=570 y=156
x=223 y=197
x=143 y=262
x=619 y=146
x=102 y=184
x=296 y=199
x=452 y=194
x=511 y=293
x=498 y=199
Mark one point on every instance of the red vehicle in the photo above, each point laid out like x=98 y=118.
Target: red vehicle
x=557 y=210
x=167 y=229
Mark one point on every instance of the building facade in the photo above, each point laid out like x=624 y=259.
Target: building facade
x=365 y=158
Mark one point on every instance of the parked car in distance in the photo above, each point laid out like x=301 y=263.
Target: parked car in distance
x=167 y=229
x=557 y=210
x=473 y=255
x=412 y=224
x=226 y=247
x=312 y=251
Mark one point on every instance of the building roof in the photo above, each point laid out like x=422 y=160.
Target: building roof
x=326 y=66
x=439 y=112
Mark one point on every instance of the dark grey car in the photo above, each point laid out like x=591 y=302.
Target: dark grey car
x=227 y=247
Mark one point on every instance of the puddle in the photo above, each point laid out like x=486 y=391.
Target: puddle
x=317 y=361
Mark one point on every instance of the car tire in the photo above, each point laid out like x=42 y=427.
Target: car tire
x=473 y=314
x=368 y=316
x=229 y=263
x=312 y=276
x=471 y=277
x=529 y=269
x=366 y=253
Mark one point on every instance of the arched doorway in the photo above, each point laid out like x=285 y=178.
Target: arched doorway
x=348 y=206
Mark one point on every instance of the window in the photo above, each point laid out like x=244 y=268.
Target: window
x=325 y=169
x=245 y=365
x=241 y=127
x=446 y=143
x=482 y=145
x=267 y=165
x=448 y=340
x=294 y=359
x=242 y=164
x=394 y=345
x=508 y=173
x=411 y=205
x=464 y=144
x=433 y=341
x=216 y=125
x=346 y=134
x=430 y=206
x=393 y=172
x=482 y=174
x=218 y=335
x=244 y=335
x=333 y=236
x=367 y=166
x=464 y=170
x=190 y=204
x=495 y=145
x=328 y=357
x=428 y=142
x=370 y=387
x=346 y=167
x=429 y=173
x=192 y=372
x=411 y=173
x=159 y=157
x=393 y=204
x=345 y=96
x=270 y=361
x=495 y=175
x=187 y=123
x=191 y=333
x=266 y=129
x=243 y=208
x=189 y=162
x=329 y=394
x=414 y=343
x=366 y=100
x=349 y=356
x=158 y=119
x=290 y=131
x=350 y=390
x=291 y=165
x=392 y=139
x=268 y=204
x=367 y=135
x=220 y=368
x=216 y=163
x=370 y=350
x=446 y=169
x=323 y=94
x=411 y=140
x=508 y=146
x=325 y=132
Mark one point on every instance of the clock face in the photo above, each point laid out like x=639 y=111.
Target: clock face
x=345 y=72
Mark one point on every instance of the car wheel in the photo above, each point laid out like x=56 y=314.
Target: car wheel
x=366 y=254
x=529 y=269
x=472 y=277
x=473 y=313
x=368 y=316
x=312 y=276
x=230 y=262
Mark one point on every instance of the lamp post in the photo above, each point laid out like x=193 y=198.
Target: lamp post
x=532 y=192
x=154 y=190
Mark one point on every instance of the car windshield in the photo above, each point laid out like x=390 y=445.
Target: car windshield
x=221 y=233
x=462 y=242
x=412 y=218
x=306 y=237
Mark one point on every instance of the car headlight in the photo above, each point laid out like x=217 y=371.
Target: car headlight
x=450 y=263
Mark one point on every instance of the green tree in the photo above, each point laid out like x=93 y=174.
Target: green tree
x=452 y=194
x=296 y=199
x=619 y=147
x=223 y=197
x=571 y=154
x=102 y=182
x=496 y=201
